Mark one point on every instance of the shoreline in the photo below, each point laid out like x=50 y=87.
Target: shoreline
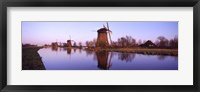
x=145 y=51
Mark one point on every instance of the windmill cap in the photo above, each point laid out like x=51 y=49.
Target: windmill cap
x=102 y=30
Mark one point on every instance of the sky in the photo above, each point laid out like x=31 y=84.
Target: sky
x=40 y=33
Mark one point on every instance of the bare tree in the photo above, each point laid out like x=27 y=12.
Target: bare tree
x=163 y=42
x=122 y=42
x=126 y=41
x=91 y=43
x=80 y=44
x=74 y=44
x=174 y=42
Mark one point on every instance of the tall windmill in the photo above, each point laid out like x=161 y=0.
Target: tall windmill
x=102 y=38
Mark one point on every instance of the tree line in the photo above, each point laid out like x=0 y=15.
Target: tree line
x=129 y=41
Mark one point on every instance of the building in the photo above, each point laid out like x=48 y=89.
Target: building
x=148 y=44
x=54 y=44
x=102 y=39
x=69 y=43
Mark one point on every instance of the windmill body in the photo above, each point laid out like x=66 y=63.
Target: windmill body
x=69 y=44
x=102 y=39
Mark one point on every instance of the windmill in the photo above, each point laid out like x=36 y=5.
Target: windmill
x=69 y=42
x=102 y=39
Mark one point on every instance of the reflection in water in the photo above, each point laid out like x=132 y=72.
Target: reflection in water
x=59 y=49
x=71 y=59
x=54 y=48
x=69 y=50
x=102 y=58
x=80 y=50
x=89 y=52
x=74 y=50
x=161 y=57
x=125 y=56
x=175 y=58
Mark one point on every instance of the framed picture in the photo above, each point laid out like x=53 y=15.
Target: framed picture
x=129 y=45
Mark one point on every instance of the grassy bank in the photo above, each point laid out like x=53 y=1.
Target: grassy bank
x=155 y=51
x=31 y=60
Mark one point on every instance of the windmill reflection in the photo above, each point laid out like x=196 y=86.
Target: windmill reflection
x=104 y=58
x=104 y=61
x=69 y=50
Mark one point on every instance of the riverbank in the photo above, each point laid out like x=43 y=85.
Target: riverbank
x=146 y=51
x=31 y=60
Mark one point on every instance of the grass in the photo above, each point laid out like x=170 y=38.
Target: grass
x=153 y=51
x=31 y=60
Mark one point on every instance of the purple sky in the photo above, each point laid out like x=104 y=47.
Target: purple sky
x=41 y=33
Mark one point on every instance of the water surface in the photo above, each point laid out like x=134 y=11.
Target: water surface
x=80 y=59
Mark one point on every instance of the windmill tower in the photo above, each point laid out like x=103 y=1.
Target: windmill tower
x=69 y=44
x=102 y=39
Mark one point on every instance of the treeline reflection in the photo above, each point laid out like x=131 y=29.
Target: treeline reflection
x=104 y=58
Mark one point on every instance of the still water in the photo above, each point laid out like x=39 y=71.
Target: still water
x=80 y=59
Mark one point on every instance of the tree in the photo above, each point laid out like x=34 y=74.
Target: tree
x=121 y=42
x=162 y=42
x=126 y=41
x=91 y=43
x=130 y=41
x=174 y=42
x=88 y=44
x=80 y=44
x=74 y=44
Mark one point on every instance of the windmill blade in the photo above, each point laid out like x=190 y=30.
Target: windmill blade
x=110 y=38
x=109 y=33
x=104 y=26
x=107 y=26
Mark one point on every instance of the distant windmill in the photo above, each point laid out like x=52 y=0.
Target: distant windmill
x=69 y=42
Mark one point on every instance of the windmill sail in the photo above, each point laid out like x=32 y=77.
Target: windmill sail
x=109 y=33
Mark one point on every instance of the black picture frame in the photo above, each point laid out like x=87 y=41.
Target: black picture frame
x=100 y=3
